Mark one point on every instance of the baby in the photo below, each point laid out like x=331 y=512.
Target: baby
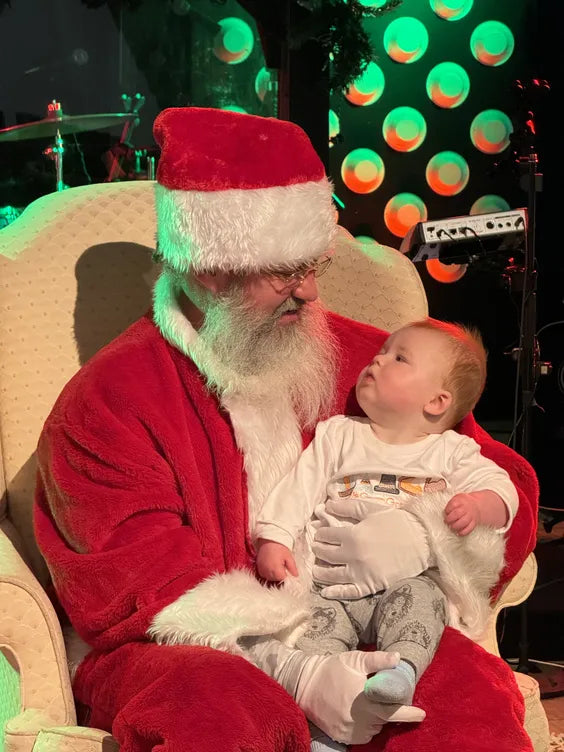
x=426 y=378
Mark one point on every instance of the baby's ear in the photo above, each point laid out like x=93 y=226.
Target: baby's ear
x=439 y=404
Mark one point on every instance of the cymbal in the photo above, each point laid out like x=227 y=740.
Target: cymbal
x=48 y=127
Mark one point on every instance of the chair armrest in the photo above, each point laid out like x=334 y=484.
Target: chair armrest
x=31 y=632
x=74 y=739
x=21 y=730
x=516 y=591
x=31 y=731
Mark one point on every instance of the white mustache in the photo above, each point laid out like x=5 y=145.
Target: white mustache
x=288 y=306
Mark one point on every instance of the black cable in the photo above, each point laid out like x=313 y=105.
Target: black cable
x=546 y=326
x=548 y=584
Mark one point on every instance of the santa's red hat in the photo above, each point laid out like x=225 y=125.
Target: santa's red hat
x=238 y=192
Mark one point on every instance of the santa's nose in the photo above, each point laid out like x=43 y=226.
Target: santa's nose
x=307 y=289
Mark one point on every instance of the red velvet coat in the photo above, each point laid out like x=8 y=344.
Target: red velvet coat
x=142 y=495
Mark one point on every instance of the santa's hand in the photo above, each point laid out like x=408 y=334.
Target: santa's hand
x=331 y=693
x=386 y=546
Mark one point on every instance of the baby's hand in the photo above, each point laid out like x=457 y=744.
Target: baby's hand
x=274 y=561
x=462 y=513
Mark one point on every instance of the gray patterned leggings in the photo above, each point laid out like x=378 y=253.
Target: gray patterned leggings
x=408 y=617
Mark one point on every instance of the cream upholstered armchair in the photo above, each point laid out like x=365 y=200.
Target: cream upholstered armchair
x=75 y=271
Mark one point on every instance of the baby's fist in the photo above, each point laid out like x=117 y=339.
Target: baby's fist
x=462 y=514
x=274 y=561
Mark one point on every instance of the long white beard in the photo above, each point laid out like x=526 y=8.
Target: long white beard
x=245 y=354
x=273 y=380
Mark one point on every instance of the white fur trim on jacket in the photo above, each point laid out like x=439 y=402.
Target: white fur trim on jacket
x=467 y=567
x=225 y=607
x=244 y=230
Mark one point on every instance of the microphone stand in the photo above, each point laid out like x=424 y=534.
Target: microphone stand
x=527 y=361
x=529 y=365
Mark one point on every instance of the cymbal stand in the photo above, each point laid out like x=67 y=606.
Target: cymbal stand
x=56 y=152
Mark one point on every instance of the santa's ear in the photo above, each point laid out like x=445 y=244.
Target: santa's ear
x=215 y=282
x=439 y=404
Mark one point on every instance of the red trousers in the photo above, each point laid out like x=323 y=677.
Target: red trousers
x=193 y=699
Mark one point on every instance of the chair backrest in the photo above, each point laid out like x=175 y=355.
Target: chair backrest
x=76 y=270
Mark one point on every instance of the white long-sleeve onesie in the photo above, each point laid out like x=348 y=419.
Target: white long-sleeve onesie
x=346 y=460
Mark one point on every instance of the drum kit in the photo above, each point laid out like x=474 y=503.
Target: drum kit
x=57 y=125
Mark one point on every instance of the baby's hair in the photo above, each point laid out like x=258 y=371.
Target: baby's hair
x=466 y=378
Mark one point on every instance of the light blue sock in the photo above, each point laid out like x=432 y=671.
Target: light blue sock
x=392 y=685
x=320 y=742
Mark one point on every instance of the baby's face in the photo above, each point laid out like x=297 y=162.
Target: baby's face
x=407 y=373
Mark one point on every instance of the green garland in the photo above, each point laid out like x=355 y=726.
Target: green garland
x=338 y=26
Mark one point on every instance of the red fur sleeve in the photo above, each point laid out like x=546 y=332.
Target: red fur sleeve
x=122 y=533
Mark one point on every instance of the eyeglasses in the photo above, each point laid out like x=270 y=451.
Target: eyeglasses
x=286 y=281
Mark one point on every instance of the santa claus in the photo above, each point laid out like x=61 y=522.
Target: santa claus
x=159 y=453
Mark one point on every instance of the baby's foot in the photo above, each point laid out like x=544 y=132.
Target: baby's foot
x=392 y=685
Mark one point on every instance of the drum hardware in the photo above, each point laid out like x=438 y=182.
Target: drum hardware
x=148 y=173
x=57 y=124
x=55 y=153
x=131 y=105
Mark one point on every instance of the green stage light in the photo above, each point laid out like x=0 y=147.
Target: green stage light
x=402 y=212
x=447 y=173
x=334 y=126
x=372 y=3
x=406 y=40
x=234 y=108
x=492 y=43
x=371 y=248
x=404 y=129
x=265 y=81
x=490 y=131
x=234 y=41
x=488 y=204
x=362 y=170
x=452 y=10
x=368 y=87
x=448 y=85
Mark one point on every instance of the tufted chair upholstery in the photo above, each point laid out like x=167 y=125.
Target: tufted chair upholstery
x=75 y=271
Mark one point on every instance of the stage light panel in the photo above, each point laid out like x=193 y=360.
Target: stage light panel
x=451 y=10
x=362 y=170
x=406 y=39
x=488 y=204
x=490 y=131
x=448 y=85
x=234 y=41
x=404 y=129
x=368 y=87
x=492 y=43
x=445 y=273
x=447 y=173
x=234 y=108
x=334 y=126
x=372 y=3
x=264 y=82
x=402 y=212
